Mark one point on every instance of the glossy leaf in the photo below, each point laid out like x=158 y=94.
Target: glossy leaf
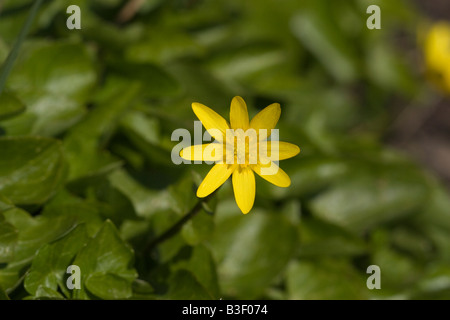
x=33 y=233
x=108 y=286
x=53 y=80
x=33 y=169
x=112 y=266
x=50 y=264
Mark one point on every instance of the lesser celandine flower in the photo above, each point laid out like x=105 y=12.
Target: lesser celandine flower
x=240 y=149
x=437 y=54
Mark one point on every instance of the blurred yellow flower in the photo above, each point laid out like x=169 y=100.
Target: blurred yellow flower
x=252 y=152
x=437 y=54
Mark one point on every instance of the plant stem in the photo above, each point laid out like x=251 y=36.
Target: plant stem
x=173 y=230
x=7 y=66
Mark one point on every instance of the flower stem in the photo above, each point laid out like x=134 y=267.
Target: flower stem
x=7 y=66
x=173 y=230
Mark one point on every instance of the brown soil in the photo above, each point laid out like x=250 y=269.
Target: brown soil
x=425 y=133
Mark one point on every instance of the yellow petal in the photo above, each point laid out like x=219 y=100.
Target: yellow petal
x=214 y=179
x=278 y=150
x=272 y=173
x=244 y=188
x=437 y=54
x=266 y=119
x=203 y=152
x=238 y=114
x=211 y=120
x=436 y=46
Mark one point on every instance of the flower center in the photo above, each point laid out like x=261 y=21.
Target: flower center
x=242 y=147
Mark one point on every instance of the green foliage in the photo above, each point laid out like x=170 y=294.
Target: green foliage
x=8 y=240
x=328 y=279
x=86 y=176
x=10 y=106
x=110 y=275
x=32 y=170
x=262 y=242
x=49 y=266
x=55 y=99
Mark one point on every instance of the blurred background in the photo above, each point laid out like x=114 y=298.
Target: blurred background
x=86 y=177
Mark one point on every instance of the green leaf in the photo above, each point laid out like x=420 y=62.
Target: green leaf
x=182 y=195
x=319 y=238
x=440 y=238
x=162 y=47
x=45 y=292
x=33 y=234
x=250 y=251
x=199 y=228
x=3 y=295
x=161 y=221
x=378 y=197
x=248 y=61
x=184 y=286
x=436 y=212
x=31 y=170
x=106 y=199
x=387 y=68
x=4 y=50
x=436 y=283
x=5 y=204
x=142 y=125
x=142 y=290
x=67 y=205
x=50 y=264
x=201 y=86
x=10 y=106
x=54 y=81
x=399 y=271
x=83 y=144
x=308 y=176
x=108 y=286
x=413 y=241
x=111 y=270
x=326 y=279
x=8 y=240
x=144 y=133
x=155 y=80
x=199 y=262
x=7 y=66
x=321 y=36
x=145 y=201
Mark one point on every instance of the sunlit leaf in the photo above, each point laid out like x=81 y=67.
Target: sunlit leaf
x=54 y=81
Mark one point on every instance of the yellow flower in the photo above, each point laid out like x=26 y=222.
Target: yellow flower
x=437 y=54
x=257 y=155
